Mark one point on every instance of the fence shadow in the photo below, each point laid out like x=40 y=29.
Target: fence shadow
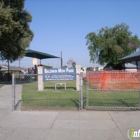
x=126 y=104
x=18 y=104
x=76 y=102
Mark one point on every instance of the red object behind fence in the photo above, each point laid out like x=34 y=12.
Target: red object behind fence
x=114 y=80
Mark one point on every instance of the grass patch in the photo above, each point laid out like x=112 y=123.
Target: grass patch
x=50 y=97
x=114 y=98
x=1 y=85
x=69 y=98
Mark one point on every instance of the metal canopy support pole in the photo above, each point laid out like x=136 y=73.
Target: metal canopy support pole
x=61 y=60
x=137 y=64
x=8 y=72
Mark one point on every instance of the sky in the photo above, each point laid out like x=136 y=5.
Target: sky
x=62 y=25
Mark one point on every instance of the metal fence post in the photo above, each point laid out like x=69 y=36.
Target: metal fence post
x=81 y=91
x=87 y=100
x=13 y=91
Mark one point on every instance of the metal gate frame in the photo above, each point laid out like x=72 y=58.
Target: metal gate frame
x=14 y=103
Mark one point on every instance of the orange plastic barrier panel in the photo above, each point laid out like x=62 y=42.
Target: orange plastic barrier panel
x=117 y=80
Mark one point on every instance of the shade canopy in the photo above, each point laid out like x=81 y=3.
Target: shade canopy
x=39 y=55
x=132 y=57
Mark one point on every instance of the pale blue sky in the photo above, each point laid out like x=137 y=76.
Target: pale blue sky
x=61 y=25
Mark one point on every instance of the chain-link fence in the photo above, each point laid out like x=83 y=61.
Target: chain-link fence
x=113 y=90
x=58 y=93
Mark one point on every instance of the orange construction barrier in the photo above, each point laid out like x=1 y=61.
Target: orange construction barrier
x=114 y=80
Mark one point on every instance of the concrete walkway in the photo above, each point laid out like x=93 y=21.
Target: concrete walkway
x=64 y=125
x=5 y=101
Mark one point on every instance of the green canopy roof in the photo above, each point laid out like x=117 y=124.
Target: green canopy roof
x=39 y=55
x=132 y=57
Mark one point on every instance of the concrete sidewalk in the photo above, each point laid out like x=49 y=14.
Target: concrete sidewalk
x=64 y=125
x=5 y=100
x=68 y=125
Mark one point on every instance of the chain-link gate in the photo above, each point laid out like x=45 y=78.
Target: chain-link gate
x=112 y=90
x=56 y=94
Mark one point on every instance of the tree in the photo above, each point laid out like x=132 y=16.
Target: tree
x=15 y=34
x=110 y=44
x=71 y=63
x=82 y=69
x=96 y=68
x=64 y=66
x=45 y=66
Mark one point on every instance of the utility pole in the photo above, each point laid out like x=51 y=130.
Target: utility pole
x=61 y=60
